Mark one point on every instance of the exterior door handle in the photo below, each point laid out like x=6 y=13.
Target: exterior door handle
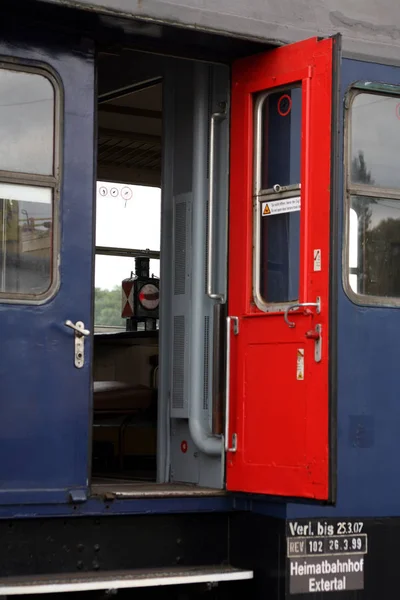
x=317 y=304
x=78 y=327
x=316 y=335
x=80 y=334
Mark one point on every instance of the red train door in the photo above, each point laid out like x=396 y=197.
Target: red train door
x=277 y=430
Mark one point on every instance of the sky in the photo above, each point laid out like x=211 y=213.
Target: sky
x=128 y=216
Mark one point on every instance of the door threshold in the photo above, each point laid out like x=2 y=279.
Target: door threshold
x=113 y=580
x=139 y=489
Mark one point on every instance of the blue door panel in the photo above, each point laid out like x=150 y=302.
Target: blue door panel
x=45 y=402
x=368 y=410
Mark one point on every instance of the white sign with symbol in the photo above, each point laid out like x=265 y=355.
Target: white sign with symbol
x=300 y=364
x=317 y=260
x=277 y=207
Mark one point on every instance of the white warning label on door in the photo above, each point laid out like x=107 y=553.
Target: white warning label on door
x=277 y=207
x=300 y=364
x=317 y=259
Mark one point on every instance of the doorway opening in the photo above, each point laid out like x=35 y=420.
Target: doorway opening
x=127 y=278
x=145 y=290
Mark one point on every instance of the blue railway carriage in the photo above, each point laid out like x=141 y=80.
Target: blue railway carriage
x=199 y=298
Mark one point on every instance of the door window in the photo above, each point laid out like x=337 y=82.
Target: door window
x=277 y=196
x=28 y=182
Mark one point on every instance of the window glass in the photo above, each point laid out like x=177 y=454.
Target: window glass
x=375 y=140
x=26 y=123
x=127 y=217
x=280 y=252
x=375 y=254
x=353 y=250
x=26 y=225
x=109 y=275
x=280 y=216
x=374 y=219
x=281 y=119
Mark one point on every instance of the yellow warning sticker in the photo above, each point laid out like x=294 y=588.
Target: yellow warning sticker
x=267 y=210
x=300 y=364
x=277 y=207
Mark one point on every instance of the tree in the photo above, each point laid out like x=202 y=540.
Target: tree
x=382 y=258
x=359 y=171
x=107 y=307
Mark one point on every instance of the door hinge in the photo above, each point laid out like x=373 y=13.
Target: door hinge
x=235 y=321
x=78 y=496
x=233 y=447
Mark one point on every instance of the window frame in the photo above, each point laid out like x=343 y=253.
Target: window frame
x=260 y=195
x=358 y=189
x=52 y=182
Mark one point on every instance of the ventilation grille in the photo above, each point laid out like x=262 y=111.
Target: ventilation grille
x=178 y=362
x=180 y=248
x=206 y=361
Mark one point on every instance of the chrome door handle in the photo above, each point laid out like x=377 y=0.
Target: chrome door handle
x=79 y=347
x=317 y=304
x=78 y=327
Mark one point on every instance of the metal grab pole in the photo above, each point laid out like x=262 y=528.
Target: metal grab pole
x=198 y=426
x=210 y=238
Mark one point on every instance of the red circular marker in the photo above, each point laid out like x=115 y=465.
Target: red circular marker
x=282 y=109
x=398 y=111
x=184 y=446
x=149 y=296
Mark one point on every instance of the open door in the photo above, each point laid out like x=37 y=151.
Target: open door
x=278 y=417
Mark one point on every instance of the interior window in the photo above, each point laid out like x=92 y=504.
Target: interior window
x=128 y=225
x=277 y=183
x=373 y=191
x=28 y=183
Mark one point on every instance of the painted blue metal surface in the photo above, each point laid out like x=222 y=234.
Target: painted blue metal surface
x=368 y=380
x=126 y=506
x=44 y=400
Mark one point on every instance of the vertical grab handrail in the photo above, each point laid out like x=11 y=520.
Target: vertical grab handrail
x=217 y=116
x=199 y=427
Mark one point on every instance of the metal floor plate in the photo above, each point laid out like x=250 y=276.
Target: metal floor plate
x=112 y=580
x=120 y=488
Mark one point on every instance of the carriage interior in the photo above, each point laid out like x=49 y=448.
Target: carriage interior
x=153 y=160
x=126 y=323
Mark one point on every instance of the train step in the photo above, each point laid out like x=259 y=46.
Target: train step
x=113 y=580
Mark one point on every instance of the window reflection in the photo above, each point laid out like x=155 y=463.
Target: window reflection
x=26 y=224
x=353 y=250
x=26 y=122
x=375 y=140
x=375 y=250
